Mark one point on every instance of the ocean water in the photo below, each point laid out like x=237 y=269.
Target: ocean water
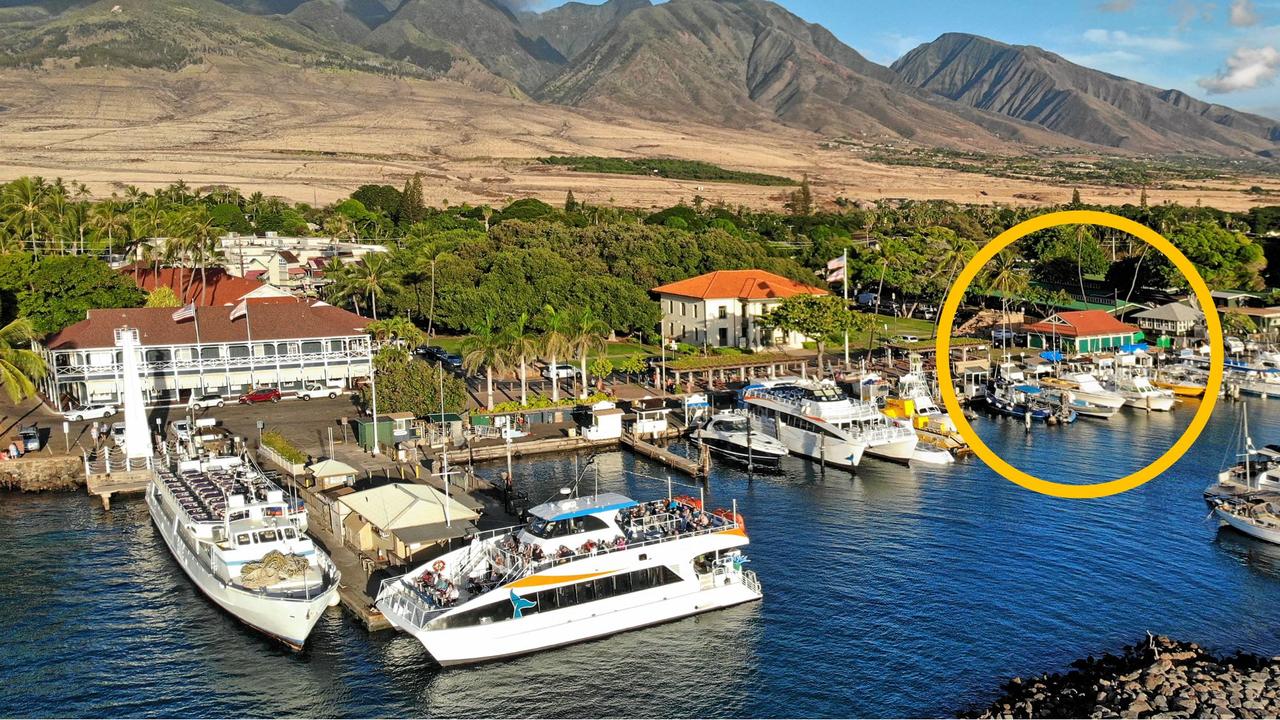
x=890 y=592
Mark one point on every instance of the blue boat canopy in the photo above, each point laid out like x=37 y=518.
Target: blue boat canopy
x=1028 y=389
x=578 y=507
x=1051 y=356
x=1134 y=347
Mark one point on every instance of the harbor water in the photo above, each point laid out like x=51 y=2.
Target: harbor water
x=890 y=591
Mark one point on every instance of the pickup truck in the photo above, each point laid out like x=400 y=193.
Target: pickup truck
x=316 y=390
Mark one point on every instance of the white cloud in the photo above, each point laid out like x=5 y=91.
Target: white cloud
x=1122 y=39
x=1243 y=14
x=1247 y=68
x=1187 y=12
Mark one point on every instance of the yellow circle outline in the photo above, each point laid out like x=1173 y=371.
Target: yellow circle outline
x=952 y=403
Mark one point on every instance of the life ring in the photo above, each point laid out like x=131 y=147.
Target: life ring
x=438 y=565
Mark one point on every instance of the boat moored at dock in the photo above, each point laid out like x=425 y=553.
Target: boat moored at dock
x=730 y=436
x=582 y=568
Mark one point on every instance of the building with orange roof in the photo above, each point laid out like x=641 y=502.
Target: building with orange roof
x=1081 y=331
x=723 y=309
x=212 y=288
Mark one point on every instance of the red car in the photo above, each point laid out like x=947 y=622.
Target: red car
x=260 y=395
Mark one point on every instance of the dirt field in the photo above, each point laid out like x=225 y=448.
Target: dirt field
x=315 y=136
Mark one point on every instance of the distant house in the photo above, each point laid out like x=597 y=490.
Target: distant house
x=214 y=288
x=1081 y=331
x=1266 y=319
x=1234 y=298
x=1175 y=319
x=724 y=308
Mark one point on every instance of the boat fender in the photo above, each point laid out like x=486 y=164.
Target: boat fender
x=437 y=565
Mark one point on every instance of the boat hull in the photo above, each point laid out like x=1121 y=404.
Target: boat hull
x=898 y=451
x=1271 y=535
x=289 y=621
x=544 y=631
x=1158 y=403
x=1192 y=391
x=739 y=455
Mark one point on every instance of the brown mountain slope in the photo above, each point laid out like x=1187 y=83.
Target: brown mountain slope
x=574 y=26
x=741 y=63
x=1037 y=86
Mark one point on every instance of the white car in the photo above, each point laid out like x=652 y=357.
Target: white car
x=316 y=390
x=181 y=430
x=559 y=371
x=204 y=402
x=90 y=412
x=117 y=433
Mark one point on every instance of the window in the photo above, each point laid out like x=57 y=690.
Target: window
x=242 y=539
x=267 y=536
x=723 y=336
x=238 y=351
x=335 y=346
x=684 y=309
x=723 y=312
x=288 y=533
x=210 y=353
x=313 y=347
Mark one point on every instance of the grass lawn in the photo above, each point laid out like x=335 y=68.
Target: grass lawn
x=922 y=329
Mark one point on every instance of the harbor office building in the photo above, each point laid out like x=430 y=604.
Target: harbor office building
x=724 y=309
x=1081 y=331
x=279 y=343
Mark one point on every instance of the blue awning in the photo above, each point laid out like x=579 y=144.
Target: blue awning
x=1028 y=389
x=1051 y=356
x=1134 y=347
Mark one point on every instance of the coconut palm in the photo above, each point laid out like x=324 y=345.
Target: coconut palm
x=485 y=348
x=108 y=218
x=20 y=367
x=555 y=342
x=399 y=330
x=521 y=345
x=23 y=201
x=587 y=334
x=372 y=278
x=203 y=246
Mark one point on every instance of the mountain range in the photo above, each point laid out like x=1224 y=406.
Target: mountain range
x=729 y=63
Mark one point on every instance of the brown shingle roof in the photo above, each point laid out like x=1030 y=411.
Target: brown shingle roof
x=742 y=284
x=269 y=319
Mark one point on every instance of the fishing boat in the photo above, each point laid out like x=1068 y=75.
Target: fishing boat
x=241 y=542
x=1256 y=516
x=1024 y=402
x=731 y=437
x=913 y=403
x=815 y=419
x=1085 y=387
x=1083 y=408
x=1181 y=381
x=1138 y=392
x=582 y=568
x=1257 y=472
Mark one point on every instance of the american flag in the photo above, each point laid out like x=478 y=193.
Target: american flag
x=186 y=312
x=240 y=310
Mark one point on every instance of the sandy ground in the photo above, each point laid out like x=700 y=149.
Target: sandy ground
x=315 y=136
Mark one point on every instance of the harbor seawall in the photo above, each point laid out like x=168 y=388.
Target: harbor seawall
x=35 y=474
x=1157 y=677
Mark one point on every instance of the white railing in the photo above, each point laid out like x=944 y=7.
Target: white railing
x=258 y=362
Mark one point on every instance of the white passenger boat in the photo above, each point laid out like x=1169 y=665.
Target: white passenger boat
x=913 y=403
x=241 y=541
x=730 y=436
x=814 y=418
x=582 y=568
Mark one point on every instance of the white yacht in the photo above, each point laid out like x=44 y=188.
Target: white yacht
x=1084 y=386
x=814 y=418
x=1138 y=392
x=1253 y=515
x=1256 y=473
x=582 y=568
x=730 y=435
x=913 y=403
x=241 y=541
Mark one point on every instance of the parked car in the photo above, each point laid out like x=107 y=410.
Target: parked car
x=318 y=390
x=432 y=352
x=908 y=339
x=90 y=412
x=453 y=361
x=559 y=371
x=203 y=402
x=181 y=430
x=30 y=438
x=260 y=395
x=117 y=433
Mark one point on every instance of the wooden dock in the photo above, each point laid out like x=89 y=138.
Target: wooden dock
x=698 y=469
x=104 y=485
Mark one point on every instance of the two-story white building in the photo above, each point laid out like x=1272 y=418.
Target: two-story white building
x=723 y=309
x=269 y=342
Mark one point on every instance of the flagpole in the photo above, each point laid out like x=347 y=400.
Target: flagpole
x=195 y=315
x=844 y=270
x=248 y=333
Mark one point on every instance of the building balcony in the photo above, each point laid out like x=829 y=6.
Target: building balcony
x=170 y=367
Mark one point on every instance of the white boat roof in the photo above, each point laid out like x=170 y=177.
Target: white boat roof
x=577 y=507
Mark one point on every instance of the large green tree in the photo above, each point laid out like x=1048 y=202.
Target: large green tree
x=406 y=384
x=63 y=289
x=818 y=317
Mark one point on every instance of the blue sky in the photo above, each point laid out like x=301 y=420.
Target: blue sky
x=1225 y=51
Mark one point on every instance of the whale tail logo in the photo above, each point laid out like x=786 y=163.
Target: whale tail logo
x=519 y=605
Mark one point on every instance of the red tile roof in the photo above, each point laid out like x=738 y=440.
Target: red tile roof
x=269 y=319
x=741 y=284
x=1081 y=323
x=220 y=288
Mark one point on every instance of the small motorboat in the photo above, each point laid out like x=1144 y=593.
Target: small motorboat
x=731 y=437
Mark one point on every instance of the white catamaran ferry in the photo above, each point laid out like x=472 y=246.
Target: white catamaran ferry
x=242 y=542
x=814 y=418
x=581 y=568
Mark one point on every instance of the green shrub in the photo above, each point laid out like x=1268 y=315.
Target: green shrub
x=283 y=448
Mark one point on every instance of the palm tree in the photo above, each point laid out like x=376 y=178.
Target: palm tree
x=486 y=348
x=952 y=255
x=587 y=334
x=555 y=342
x=107 y=217
x=203 y=246
x=23 y=201
x=399 y=330
x=521 y=344
x=20 y=367
x=372 y=278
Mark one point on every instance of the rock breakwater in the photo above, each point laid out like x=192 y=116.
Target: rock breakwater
x=1157 y=677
